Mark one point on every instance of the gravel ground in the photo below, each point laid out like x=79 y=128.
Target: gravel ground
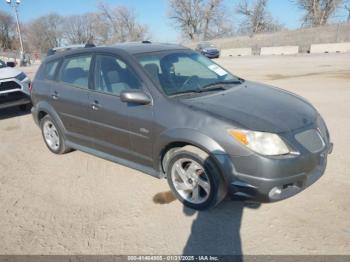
x=80 y=204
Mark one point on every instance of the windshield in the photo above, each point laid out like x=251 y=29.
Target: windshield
x=184 y=71
x=2 y=64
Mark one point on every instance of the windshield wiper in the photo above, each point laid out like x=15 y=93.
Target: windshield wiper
x=200 y=90
x=193 y=91
x=216 y=86
x=220 y=83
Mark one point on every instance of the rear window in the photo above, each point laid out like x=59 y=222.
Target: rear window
x=50 y=70
x=75 y=71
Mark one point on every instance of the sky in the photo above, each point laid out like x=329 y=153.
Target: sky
x=153 y=13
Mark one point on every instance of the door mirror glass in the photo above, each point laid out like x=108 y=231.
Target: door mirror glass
x=136 y=97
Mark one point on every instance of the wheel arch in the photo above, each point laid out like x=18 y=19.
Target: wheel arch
x=43 y=109
x=178 y=138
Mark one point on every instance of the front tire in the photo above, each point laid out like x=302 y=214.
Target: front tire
x=52 y=135
x=194 y=178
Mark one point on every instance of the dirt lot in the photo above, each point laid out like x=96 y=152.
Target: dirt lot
x=80 y=204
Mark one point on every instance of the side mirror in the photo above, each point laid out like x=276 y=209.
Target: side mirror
x=11 y=64
x=135 y=97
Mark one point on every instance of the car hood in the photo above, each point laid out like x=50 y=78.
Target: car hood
x=8 y=72
x=257 y=107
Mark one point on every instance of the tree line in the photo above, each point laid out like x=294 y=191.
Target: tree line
x=195 y=19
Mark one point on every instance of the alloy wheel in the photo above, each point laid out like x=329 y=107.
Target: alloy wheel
x=190 y=181
x=51 y=135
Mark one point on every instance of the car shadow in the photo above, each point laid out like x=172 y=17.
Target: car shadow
x=217 y=231
x=12 y=112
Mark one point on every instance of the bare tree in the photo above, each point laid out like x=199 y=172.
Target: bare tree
x=216 y=20
x=187 y=15
x=107 y=25
x=45 y=32
x=200 y=19
x=257 y=18
x=121 y=24
x=6 y=30
x=317 y=12
x=347 y=7
x=78 y=29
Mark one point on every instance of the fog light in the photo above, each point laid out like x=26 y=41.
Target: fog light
x=284 y=191
x=275 y=192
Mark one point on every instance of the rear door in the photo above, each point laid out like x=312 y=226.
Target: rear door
x=70 y=97
x=119 y=128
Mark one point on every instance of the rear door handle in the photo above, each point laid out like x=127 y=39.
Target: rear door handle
x=95 y=105
x=54 y=95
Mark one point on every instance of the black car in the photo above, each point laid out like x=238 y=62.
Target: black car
x=209 y=50
x=172 y=113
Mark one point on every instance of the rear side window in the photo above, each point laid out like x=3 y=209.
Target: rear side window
x=50 y=70
x=75 y=71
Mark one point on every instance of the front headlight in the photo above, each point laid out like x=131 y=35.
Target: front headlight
x=263 y=143
x=21 y=76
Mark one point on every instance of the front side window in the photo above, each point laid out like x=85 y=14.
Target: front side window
x=113 y=76
x=180 y=72
x=75 y=71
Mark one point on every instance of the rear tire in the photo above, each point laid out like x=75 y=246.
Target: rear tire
x=194 y=178
x=53 y=136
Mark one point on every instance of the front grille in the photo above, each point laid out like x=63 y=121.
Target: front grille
x=10 y=85
x=311 y=140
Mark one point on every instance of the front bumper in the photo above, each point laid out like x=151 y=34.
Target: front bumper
x=279 y=186
x=14 y=92
x=211 y=55
x=13 y=99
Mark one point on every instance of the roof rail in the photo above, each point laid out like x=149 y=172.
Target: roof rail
x=53 y=51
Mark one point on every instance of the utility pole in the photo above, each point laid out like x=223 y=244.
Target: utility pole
x=14 y=4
